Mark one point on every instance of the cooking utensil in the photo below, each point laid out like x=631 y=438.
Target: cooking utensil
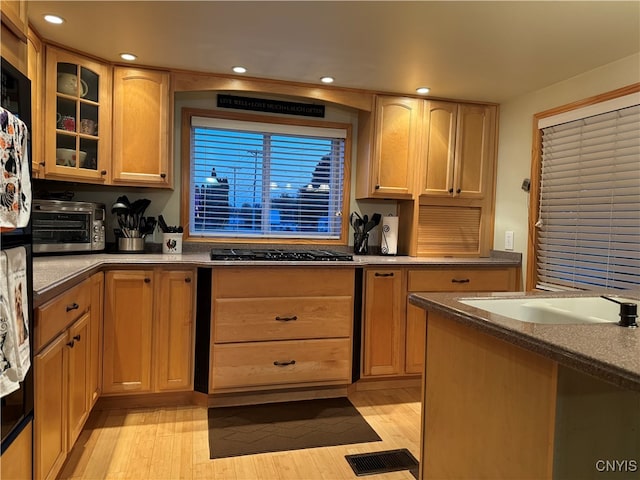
x=163 y=225
x=371 y=224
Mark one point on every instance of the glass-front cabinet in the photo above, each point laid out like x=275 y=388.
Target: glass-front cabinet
x=77 y=117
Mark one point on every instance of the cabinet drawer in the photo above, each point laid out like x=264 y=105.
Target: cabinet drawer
x=254 y=319
x=281 y=282
x=270 y=364
x=54 y=316
x=462 y=279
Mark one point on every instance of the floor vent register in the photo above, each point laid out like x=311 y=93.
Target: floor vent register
x=382 y=462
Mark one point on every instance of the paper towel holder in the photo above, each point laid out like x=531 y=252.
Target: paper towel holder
x=389 y=240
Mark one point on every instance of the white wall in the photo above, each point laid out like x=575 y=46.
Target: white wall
x=515 y=140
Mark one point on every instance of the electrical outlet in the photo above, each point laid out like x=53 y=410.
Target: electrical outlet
x=508 y=240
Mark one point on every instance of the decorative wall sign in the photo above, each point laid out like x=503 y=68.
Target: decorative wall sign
x=270 y=106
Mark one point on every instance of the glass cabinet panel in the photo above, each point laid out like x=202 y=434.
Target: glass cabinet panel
x=76 y=116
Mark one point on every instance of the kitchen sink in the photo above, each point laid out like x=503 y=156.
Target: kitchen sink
x=559 y=310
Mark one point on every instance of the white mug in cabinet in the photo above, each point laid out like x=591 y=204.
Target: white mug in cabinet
x=68 y=84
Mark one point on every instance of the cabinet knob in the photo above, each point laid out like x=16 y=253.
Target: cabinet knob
x=377 y=187
x=73 y=306
x=458 y=190
x=41 y=164
x=187 y=280
x=103 y=172
x=70 y=344
x=147 y=280
x=378 y=274
x=76 y=337
x=451 y=190
x=284 y=364
x=163 y=175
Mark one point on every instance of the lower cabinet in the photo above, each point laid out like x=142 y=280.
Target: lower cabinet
x=62 y=377
x=394 y=331
x=277 y=328
x=148 y=331
x=16 y=462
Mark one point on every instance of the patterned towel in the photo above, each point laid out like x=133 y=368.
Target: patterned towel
x=15 y=178
x=8 y=377
x=16 y=340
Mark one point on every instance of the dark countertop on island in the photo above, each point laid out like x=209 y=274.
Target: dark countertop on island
x=603 y=350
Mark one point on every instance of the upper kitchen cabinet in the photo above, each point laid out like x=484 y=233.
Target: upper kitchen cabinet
x=35 y=72
x=460 y=150
x=77 y=118
x=141 y=136
x=13 y=33
x=388 y=148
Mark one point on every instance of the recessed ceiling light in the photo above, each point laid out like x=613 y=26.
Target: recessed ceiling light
x=128 y=56
x=422 y=90
x=54 y=19
x=239 y=69
x=326 y=79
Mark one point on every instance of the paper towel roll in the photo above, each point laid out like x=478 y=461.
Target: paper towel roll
x=389 y=241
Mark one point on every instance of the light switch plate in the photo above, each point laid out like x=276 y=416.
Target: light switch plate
x=508 y=240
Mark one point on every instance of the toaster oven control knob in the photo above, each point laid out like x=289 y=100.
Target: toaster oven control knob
x=96 y=238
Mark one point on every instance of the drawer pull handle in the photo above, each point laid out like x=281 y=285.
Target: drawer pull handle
x=70 y=344
x=76 y=337
x=464 y=280
x=286 y=319
x=73 y=306
x=284 y=364
x=378 y=274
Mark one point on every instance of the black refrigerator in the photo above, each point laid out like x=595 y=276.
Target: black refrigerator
x=16 y=266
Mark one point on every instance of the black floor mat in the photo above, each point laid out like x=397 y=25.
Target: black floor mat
x=382 y=462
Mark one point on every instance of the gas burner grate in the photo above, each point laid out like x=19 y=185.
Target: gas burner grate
x=273 y=254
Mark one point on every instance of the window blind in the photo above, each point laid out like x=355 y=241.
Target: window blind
x=589 y=214
x=254 y=179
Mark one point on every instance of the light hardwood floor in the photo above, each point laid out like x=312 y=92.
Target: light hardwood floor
x=172 y=443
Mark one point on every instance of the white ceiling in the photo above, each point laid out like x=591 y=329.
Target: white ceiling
x=486 y=51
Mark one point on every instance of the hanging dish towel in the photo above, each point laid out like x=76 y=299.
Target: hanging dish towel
x=15 y=179
x=8 y=378
x=19 y=308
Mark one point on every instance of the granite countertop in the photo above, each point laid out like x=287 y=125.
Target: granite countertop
x=604 y=350
x=52 y=274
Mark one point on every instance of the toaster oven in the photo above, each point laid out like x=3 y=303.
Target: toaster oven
x=60 y=226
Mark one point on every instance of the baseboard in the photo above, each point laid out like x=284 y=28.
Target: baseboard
x=253 y=398
x=385 y=383
x=112 y=402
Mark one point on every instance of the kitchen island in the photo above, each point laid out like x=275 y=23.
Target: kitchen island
x=511 y=399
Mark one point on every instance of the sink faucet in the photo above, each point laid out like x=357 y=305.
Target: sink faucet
x=628 y=312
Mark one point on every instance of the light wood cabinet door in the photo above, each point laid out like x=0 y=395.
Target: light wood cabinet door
x=14 y=16
x=415 y=339
x=473 y=175
x=97 y=309
x=50 y=406
x=440 y=143
x=174 y=329
x=35 y=72
x=78 y=348
x=383 y=328
x=77 y=118
x=459 y=150
x=391 y=150
x=16 y=462
x=128 y=324
x=141 y=119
